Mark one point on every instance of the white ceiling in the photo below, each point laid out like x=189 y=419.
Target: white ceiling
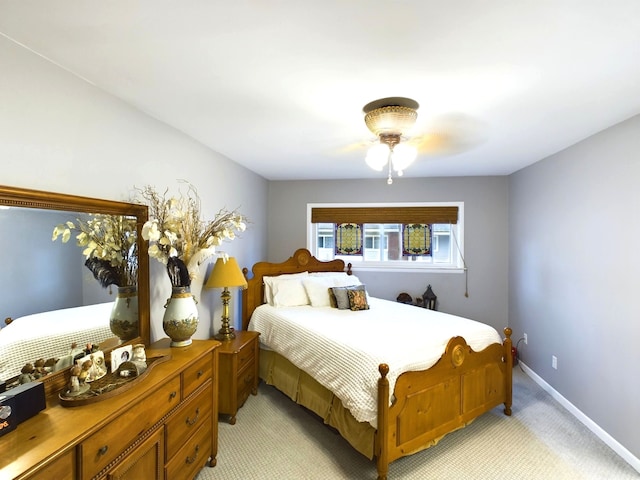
x=278 y=86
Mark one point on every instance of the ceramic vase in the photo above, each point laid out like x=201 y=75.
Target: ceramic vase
x=180 y=319
x=124 y=314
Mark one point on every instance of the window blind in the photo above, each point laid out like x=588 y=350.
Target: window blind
x=404 y=215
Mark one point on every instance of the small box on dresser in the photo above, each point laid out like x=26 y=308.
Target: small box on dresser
x=238 y=368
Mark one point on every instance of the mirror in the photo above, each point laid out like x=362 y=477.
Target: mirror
x=33 y=275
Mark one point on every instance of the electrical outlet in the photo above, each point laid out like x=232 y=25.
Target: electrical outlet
x=554 y=362
x=526 y=342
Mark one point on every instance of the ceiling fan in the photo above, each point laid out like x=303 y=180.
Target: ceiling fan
x=391 y=118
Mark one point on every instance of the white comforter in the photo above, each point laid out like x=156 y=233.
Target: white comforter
x=342 y=349
x=50 y=335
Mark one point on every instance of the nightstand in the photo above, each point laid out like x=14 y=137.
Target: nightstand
x=238 y=372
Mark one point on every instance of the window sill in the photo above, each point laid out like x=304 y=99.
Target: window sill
x=362 y=267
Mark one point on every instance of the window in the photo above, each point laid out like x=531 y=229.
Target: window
x=389 y=236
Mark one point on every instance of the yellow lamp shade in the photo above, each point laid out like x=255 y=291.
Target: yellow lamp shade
x=226 y=274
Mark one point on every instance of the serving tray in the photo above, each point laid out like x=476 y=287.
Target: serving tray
x=110 y=385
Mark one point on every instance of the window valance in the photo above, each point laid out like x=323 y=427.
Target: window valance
x=403 y=215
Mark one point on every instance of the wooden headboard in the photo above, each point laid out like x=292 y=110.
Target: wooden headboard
x=301 y=261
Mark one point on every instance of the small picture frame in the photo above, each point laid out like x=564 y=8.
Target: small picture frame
x=120 y=355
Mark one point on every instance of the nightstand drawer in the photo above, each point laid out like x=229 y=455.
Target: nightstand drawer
x=245 y=355
x=101 y=448
x=246 y=382
x=192 y=456
x=188 y=419
x=196 y=375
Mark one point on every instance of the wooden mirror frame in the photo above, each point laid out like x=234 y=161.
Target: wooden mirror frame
x=26 y=198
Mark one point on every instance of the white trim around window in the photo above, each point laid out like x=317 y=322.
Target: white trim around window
x=457 y=241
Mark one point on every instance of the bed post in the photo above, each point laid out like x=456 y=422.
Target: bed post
x=508 y=354
x=382 y=445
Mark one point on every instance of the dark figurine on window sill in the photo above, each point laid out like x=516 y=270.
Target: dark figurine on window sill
x=427 y=300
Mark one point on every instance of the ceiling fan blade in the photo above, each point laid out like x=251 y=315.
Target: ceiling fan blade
x=450 y=134
x=362 y=145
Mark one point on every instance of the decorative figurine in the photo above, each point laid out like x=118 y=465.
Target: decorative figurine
x=139 y=355
x=75 y=385
x=85 y=371
x=91 y=348
x=404 y=298
x=27 y=374
x=39 y=370
x=99 y=369
x=50 y=365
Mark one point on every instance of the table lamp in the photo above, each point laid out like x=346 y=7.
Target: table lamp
x=225 y=274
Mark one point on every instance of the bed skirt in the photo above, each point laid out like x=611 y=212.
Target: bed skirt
x=303 y=389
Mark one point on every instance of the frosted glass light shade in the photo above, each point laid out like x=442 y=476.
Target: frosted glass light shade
x=377 y=156
x=403 y=155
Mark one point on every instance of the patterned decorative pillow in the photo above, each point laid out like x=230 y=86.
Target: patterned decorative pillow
x=358 y=299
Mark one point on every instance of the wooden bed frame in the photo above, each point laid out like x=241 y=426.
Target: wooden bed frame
x=427 y=404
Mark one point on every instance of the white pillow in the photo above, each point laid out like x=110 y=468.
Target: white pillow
x=346 y=281
x=270 y=283
x=318 y=290
x=317 y=287
x=327 y=274
x=289 y=293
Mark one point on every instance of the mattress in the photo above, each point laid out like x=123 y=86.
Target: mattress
x=342 y=349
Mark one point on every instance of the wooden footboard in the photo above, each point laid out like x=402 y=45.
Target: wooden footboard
x=428 y=404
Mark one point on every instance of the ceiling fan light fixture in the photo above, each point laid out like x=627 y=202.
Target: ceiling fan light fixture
x=389 y=119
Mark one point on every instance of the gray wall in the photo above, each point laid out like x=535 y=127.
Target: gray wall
x=485 y=205
x=59 y=133
x=53 y=280
x=574 y=221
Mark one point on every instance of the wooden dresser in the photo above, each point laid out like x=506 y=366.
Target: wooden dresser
x=238 y=372
x=164 y=427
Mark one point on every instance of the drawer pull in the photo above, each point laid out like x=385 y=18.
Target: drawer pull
x=190 y=460
x=248 y=379
x=173 y=395
x=200 y=373
x=195 y=419
x=102 y=450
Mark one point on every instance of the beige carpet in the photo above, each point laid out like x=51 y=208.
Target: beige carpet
x=276 y=439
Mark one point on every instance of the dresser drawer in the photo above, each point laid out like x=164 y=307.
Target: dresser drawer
x=192 y=456
x=62 y=468
x=188 y=419
x=196 y=375
x=104 y=446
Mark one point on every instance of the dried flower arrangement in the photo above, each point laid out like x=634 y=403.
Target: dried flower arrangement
x=178 y=237
x=109 y=246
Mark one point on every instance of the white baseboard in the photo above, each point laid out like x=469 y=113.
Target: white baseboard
x=590 y=424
